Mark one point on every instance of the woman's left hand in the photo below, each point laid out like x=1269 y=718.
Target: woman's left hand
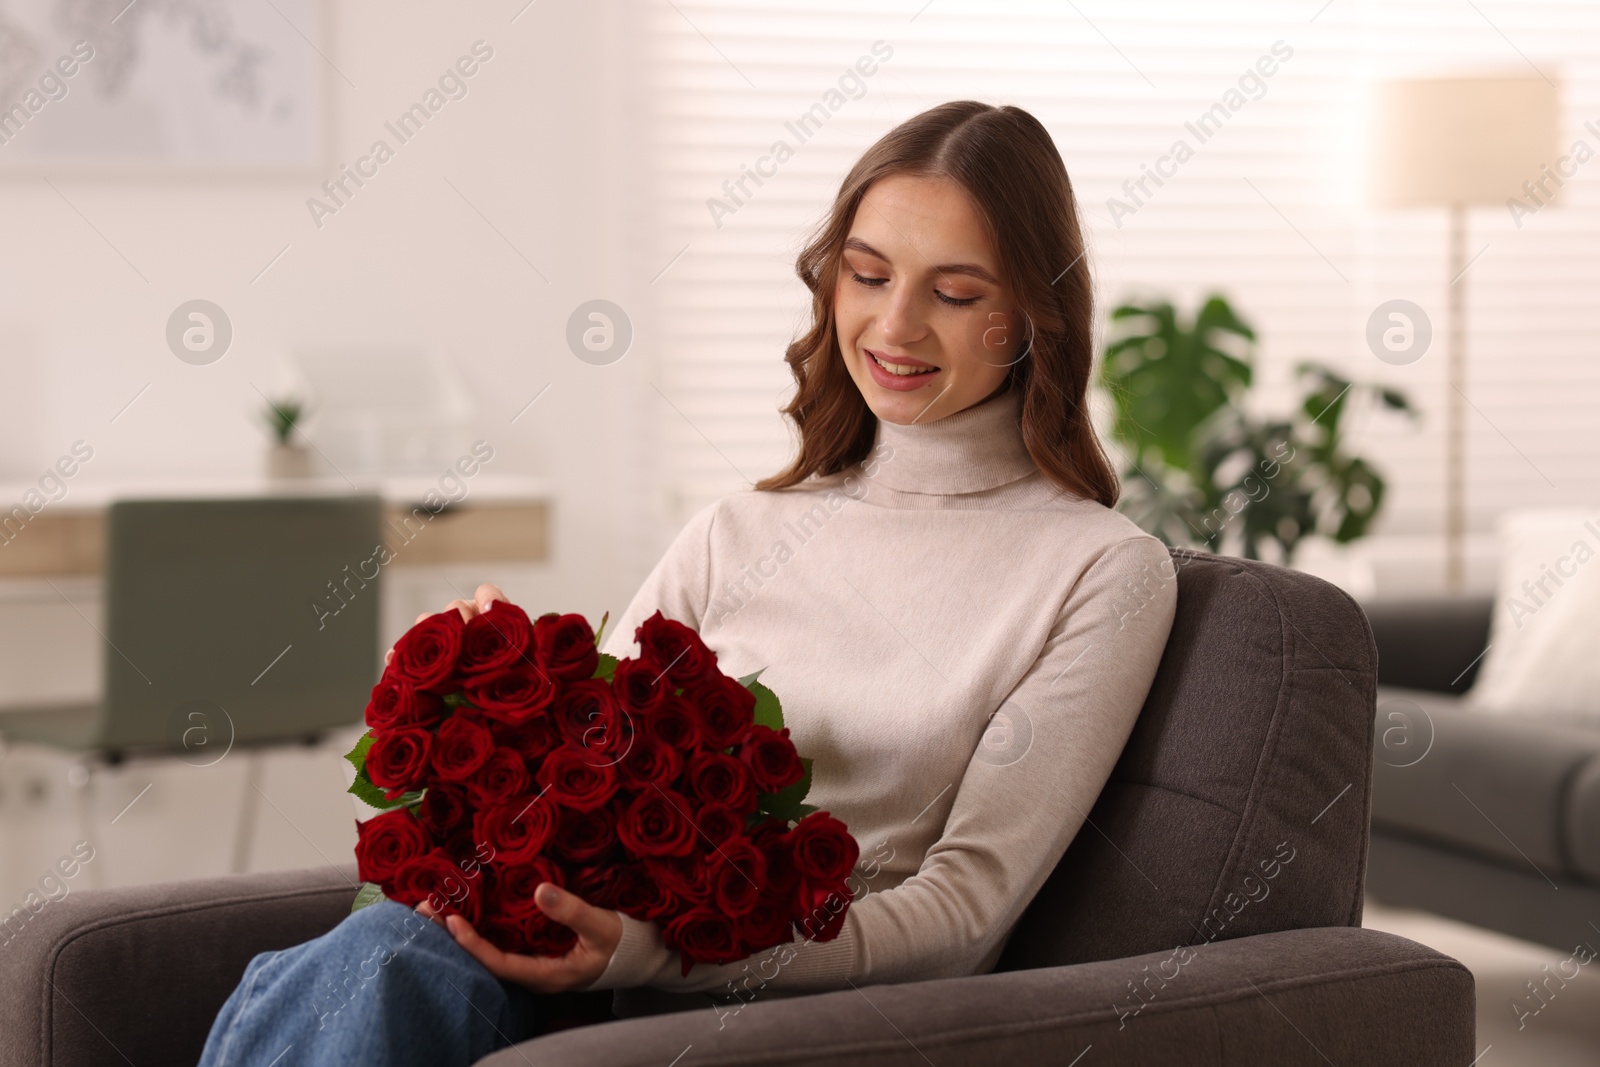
x=599 y=932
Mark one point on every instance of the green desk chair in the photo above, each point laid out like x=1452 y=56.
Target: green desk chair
x=229 y=624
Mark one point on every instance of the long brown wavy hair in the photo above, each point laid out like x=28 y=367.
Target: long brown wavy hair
x=1005 y=160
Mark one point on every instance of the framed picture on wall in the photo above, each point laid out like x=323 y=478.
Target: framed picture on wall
x=163 y=85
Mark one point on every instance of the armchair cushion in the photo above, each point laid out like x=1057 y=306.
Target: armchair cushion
x=1334 y=994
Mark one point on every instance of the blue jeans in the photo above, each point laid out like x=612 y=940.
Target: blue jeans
x=385 y=986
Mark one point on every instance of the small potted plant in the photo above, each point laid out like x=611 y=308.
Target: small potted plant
x=287 y=458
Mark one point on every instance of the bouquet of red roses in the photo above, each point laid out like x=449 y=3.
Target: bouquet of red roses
x=507 y=751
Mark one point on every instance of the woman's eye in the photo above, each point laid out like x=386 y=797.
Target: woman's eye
x=873 y=283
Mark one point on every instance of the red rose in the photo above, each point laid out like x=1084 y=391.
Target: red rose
x=501 y=778
x=564 y=646
x=501 y=932
x=426 y=654
x=398 y=759
x=639 y=686
x=715 y=778
x=648 y=760
x=587 y=715
x=771 y=758
x=823 y=849
x=518 y=830
x=530 y=930
x=819 y=909
x=397 y=703
x=585 y=836
x=543 y=936
x=598 y=885
x=677 y=723
x=738 y=872
x=718 y=822
x=514 y=886
x=513 y=694
x=530 y=740
x=577 y=779
x=460 y=748
x=639 y=894
x=726 y=708
x=443 y=811
x=434 y=877
x=700 y=935
x=675 y=649
x=495 y=639
x=766 y=924
x=385 y=843
x=771 y=836
x=688 y=878
x=657 y=823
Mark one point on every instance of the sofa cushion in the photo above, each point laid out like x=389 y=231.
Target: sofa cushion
x=1502 y=788
x=1581 y=828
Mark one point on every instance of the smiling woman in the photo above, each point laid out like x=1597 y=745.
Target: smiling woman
x=957 y=653
x=950 y=269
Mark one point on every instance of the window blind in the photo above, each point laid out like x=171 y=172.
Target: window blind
x=1268 y=209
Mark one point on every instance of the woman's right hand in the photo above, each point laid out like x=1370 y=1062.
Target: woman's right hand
x=486 y=595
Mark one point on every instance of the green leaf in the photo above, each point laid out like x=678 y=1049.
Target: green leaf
x=370 y=795
x=786 y=803
x=606 y=668
x=358 y=755
x=375 y=797
x=769 y=711
x=1166 y=377
x=369 y=893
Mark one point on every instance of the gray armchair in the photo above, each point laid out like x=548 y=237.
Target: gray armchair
x=1207 y=913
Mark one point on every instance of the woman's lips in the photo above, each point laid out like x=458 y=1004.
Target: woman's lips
x=899 y=382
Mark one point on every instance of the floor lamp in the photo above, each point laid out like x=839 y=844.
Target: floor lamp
x=1459 y=143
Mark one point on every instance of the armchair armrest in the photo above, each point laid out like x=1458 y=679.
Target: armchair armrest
x=1339 y=994
x=138 y=974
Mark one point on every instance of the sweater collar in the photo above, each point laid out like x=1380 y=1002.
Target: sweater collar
x=977 y=448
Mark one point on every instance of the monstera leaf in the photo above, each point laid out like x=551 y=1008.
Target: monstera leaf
x=1153 y=350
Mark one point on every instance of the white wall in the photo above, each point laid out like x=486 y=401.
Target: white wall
x=540 y=145
x=545 y=145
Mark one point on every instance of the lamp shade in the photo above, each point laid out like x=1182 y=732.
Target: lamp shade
x=1460 y=141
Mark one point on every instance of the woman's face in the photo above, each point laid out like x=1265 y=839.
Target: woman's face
x=920 y=290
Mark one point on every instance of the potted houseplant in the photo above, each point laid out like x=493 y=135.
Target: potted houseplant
x=287 y=458
x=1200 y=468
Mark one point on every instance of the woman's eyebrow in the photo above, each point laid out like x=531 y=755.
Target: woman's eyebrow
x=856 y=244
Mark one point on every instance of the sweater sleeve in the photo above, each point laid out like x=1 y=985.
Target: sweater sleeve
x=679 y=585
x=1033 y=776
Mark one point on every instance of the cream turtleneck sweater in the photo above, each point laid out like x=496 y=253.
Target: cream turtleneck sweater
x=960 y=647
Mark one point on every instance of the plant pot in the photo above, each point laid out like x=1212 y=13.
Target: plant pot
x=285 y=461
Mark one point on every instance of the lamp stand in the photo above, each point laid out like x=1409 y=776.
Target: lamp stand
x=1455 y=445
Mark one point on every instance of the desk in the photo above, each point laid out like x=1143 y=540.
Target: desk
x=501 y=519
x=50 y=568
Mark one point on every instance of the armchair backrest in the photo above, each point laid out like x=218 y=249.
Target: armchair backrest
x=1241 y=802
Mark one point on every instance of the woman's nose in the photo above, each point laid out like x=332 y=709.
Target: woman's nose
x=903 y=322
